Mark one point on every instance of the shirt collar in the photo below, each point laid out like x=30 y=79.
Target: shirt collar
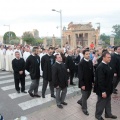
x=104 y=62
x=17 y=58
x=116 y=53
x=33 y=54
x=86 y=60
x=58 y=62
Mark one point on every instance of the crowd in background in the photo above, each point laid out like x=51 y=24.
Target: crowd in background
x=86 y=64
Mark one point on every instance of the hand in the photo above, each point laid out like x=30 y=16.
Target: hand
x=57 y=87
x=83 y=87
x=115 y=74
x=68 y=70
x=104 y=95
x=68 y=81
x=20 y=72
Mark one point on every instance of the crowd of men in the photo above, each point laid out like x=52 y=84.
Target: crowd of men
x=97 y=69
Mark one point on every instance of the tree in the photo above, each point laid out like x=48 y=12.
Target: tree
x=9 y=35
x=105 y=38
x=28 y=37
x=116 y=30
x=15 y=41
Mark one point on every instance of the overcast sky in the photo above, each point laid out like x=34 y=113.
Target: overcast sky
x=26 y=15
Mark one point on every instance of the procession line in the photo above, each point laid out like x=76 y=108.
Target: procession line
x=39 y=101
x=17 y=95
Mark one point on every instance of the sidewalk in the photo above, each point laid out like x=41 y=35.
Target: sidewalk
x=73 y=111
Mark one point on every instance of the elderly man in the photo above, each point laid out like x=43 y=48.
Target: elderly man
x=18 y=66
x=60 y=80
x=104 y=87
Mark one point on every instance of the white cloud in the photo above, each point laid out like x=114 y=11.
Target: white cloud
x=25 y=15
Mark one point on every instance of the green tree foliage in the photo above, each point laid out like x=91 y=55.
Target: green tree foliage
x=39 y=40
x=116 y=30
x=105 y=38
x=15 y=41
x=28 y=37
x=6 y=37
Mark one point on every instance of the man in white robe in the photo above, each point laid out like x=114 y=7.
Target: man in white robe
x=2 y=58
x=41 y=55
x=17 y=49
x=26 y=54
x=9 y=58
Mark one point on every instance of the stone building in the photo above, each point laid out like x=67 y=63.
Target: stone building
x=1 y=39
x=35 y=33
x=80 y=35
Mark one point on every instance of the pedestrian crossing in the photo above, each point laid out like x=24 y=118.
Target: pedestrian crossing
x=24 y=101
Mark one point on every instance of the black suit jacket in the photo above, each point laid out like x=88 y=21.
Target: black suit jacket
x=85 y=74
x=69 y=63
x=103 y=80
x=46 y=66
x=18 y=65
x=59 y=75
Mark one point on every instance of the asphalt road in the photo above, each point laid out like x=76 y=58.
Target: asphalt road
x=13 y=105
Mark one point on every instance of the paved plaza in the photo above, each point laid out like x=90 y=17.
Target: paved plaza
x=73 y=111
x=14 y=105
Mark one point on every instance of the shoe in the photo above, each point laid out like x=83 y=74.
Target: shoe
x=86 y=113
x=60 y=106
x=43 y=96
x=18 y=91
x=72 y=84
x=31 y=94
x=114 y=92
x=64 y=103
x=53 y=96
x=79 y=103
x=37 y=96
x=23 y=91
x=113 y=116
x=100 y=118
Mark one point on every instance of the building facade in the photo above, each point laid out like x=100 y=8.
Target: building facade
x=80 y=35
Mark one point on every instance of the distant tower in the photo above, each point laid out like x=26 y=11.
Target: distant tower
x=35 y=33
x=112 y=40
x=53 y=41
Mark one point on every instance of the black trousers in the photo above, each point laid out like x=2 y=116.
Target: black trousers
x=44 y=87
x=71 y=74
x=76 y=70
x=83 y=100
x=116 y=80
x=22 y=81
x=103 y=103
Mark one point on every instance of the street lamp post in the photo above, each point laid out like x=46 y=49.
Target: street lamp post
x=99 y=27
x=60 y=11
x=9 y=31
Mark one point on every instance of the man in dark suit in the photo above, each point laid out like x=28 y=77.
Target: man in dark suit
x=115 y=64
x=70 y=65
x=86 y=79
x=60 y=80
x=18 y=65
x=104 y=87
x=46 y=65
x=33 y=67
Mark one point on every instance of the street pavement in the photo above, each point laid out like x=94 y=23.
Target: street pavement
x=14 y=105
x=73 y=110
